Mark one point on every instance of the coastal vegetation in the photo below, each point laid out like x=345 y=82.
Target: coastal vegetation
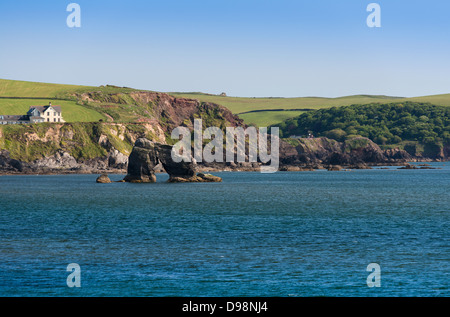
x=401 y=124
x=92 y=113
x=83 y=141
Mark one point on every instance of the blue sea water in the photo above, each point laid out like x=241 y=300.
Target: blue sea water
x=282 y=234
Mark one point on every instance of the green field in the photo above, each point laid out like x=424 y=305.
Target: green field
x=71 y=111
x=239 y=104
x=242 y=106
x=77 y=112
x=267 y=118
x=25 y=94
x=16 y=88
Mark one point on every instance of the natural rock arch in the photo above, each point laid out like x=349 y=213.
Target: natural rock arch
x=146 y=155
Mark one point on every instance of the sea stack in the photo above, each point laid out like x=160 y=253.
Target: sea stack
x=146 y=155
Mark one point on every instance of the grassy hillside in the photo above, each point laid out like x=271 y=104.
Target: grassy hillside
x=267 y=118
x=72 y=112
x=16 y=88
x=239 y=105
x=243 y=106
x=125 y=110
x=17 y=96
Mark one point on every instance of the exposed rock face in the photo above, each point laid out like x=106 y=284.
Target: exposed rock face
x=397 y=154
x=175 y=170
x=146 y=155
x=353 y=152
x=9 y=164
x=142 y=162
x=60 y=160
x=117 y=159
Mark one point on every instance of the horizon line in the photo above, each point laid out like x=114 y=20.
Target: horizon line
x=229 y=96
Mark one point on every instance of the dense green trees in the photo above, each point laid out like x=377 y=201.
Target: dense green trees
x=382 y=123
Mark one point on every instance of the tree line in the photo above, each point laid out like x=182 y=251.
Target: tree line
x=384 y=124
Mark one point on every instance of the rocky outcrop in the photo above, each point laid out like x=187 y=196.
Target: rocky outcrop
x=354 y=153
x=8 y=164
x=357 y=152
x=199 y=178
x=142 y=162
x=61 y=160
x=394 y=155
x=176 y=171
x=103 y=179
x=146 y=155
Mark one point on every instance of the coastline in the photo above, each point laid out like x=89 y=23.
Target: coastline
x=417 y=164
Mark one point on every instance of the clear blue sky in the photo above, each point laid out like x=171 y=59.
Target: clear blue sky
x=241 y=47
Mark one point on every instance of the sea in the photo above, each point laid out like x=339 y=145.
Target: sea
x=382 y=232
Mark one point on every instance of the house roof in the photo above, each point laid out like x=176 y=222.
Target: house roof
x=44 y=108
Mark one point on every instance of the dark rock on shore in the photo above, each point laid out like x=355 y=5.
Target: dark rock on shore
x=360 y=166
x=414 y=167
x=335 y=168
x=356 y=153
x=8 y=164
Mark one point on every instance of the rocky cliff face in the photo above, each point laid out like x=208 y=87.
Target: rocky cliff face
x=70 y=148
x=164 y=110
x=106 y=147
x=103 y=147
x=323 y=151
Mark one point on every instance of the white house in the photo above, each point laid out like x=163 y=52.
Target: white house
x=47 y=113
x=36 y=114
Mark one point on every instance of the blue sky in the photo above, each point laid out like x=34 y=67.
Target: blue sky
x=253 y=48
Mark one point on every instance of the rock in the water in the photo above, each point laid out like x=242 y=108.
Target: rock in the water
x=335 y=168
x=142 y=162
x=360 y=166
x=175 y=169
x=199 y=178
x=209 y=177
x=103 y=179
x=408 y=167
x=146 y=156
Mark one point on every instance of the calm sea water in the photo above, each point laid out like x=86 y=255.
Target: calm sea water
x=283 y=234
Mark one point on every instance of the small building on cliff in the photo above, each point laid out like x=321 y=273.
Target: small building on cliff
x=36 y=114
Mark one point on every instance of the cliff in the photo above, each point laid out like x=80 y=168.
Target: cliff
x=355 y=152
x=103 y=146
x=99 y=147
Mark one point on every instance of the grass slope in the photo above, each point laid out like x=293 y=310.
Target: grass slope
x=240 y=105
x=72 y=112
x=17 y=96
x=267 y=118
x=77 y=112
x=28 y=89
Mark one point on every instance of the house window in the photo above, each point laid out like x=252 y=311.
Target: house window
x=54 y=120
x=59 y=120
x=48 y=119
